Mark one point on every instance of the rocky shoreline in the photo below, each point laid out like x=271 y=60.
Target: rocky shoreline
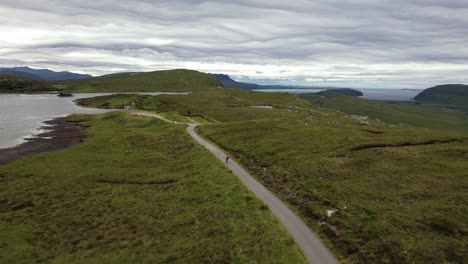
x=61 y=134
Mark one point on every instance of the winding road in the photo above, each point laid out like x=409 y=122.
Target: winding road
x=312 y=248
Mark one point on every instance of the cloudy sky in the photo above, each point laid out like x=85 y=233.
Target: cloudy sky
x=354 y=43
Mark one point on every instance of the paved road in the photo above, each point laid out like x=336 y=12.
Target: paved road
x=308 y=242
x=150 y=114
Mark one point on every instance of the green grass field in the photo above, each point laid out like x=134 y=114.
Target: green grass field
x=397 y=203
x=213 y=105
x=137 y=190
x=399 y=189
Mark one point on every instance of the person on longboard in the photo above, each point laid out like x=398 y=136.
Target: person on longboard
x=227 y=158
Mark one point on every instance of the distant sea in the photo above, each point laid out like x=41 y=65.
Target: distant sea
x=390 y=94
x=371 y=94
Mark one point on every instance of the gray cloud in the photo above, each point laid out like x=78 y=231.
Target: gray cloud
x=368 y=43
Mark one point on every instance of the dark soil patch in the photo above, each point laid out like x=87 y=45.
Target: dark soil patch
x=405 y=144
x=63 y=134
x=195 y=115
x=373 y=131
x=163 y=181
x=21 y=205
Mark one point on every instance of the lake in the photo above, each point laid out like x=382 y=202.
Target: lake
x=390 y=94
x=371 y=94
x=22 y=115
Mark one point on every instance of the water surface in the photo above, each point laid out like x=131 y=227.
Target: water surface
x=390 y=94
x=22 y=115
x=371 y=94
x=294 y=91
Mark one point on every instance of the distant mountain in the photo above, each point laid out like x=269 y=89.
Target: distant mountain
x=340 y=91
x=227 y=81
x=448 y=94
x=19 y=74
x=43 y=74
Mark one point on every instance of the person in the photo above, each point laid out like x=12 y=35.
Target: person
x=227 y=158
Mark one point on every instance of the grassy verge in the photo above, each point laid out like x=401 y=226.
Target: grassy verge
x=136 y=190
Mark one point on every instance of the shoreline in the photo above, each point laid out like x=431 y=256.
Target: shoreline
x=60 y=134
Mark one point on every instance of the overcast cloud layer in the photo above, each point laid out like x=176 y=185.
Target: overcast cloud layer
x=356 y=43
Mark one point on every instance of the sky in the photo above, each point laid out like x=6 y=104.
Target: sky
x=354 y=43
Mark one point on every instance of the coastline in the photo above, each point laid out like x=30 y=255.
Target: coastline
x=60 y=134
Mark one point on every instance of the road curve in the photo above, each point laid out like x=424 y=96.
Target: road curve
x=308 y=242
x=311 y=246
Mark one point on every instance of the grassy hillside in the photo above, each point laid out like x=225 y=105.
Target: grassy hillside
x=137 y=190
x=18 y=84
x=399 y=189
x=213 y=105
x=449 y=94
x=158 y=81
x=409 y=113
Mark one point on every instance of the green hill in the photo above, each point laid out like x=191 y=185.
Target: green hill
x=340 y=91
x=18 y=84
x=179 y=80
x=449 y=94
x=409 y=113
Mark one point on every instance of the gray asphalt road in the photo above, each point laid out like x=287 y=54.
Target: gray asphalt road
x=312 y=248
x=309 y=243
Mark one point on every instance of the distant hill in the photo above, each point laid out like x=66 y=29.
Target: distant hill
x=179 y=80
x=340 y=91
x=409 y=113
x=43 y=74
x=448 y=94
x=227 y=81
x=19 y=84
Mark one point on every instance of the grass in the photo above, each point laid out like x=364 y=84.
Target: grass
x=137 y=190
x=399 y=189
x=398 y=178
x=421 y=115
x=180 y=80
x=212 y=105
x=396 y=204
